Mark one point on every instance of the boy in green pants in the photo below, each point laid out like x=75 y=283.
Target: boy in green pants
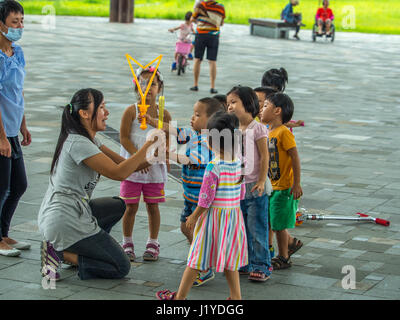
x=284 y=172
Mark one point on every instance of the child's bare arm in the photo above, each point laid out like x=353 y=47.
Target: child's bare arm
x=294 y=124
x=296 y=188
x=262 y=146
x=192 y=219
x=125 y=129
x=174 y=29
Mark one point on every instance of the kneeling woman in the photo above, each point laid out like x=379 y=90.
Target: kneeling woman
x=75 y=228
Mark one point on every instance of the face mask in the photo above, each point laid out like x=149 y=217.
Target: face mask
x=13 y=34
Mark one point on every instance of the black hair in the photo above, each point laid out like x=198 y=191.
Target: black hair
x=283 y=101
x=161 y=82
x=8 y=6
x=212 y=106
x=275 y=78
x=222 y=98
x=188 y=15
x=220 y=122
x=248 y=98
x=266 y=90
x=71 y=121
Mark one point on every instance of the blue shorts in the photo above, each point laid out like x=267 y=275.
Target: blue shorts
x=188 y=209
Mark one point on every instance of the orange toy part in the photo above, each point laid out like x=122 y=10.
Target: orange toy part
x=298 y=222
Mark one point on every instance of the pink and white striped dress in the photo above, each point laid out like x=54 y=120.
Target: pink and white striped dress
x=219 y=239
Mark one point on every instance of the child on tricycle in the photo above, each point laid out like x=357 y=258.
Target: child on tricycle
x=184 y=43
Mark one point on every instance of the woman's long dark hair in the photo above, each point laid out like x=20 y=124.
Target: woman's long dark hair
x=71 y=120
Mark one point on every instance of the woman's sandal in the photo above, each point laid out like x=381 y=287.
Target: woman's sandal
x=294 y=247
x=280 y=263
x=258 y=276
x=166 y=295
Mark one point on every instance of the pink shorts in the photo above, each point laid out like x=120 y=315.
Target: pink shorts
x=152 y=192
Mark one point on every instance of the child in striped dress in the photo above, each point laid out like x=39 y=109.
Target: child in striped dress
x=219 y=239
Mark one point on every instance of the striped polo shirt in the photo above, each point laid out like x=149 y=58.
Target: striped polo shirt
x=209 y=16
x=200 y=155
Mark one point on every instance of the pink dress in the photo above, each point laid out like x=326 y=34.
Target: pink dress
x=219 y=239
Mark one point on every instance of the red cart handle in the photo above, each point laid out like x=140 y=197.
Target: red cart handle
x=382 y=222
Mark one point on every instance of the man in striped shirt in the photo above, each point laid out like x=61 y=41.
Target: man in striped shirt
x=209 y=16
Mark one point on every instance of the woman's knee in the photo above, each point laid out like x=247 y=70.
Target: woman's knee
x=124 y=267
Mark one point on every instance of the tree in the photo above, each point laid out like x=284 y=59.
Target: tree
x=122 y=11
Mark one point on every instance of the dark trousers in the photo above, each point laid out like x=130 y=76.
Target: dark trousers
x=101 y=256
x=13 y=184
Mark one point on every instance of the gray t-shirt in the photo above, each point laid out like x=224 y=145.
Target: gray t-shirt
x=65 y=216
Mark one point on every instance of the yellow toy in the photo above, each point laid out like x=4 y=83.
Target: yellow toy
x=161 y=105
x=143 y=106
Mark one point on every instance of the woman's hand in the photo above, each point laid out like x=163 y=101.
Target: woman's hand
x=27 y=138
x=5 y=148
x=259 y=187
x=296 y=191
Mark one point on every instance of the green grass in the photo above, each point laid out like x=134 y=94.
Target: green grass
x=371 y=16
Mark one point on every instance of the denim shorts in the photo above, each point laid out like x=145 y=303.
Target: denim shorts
x=188 y=209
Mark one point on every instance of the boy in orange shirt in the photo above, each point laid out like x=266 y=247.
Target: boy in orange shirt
x=284 y=172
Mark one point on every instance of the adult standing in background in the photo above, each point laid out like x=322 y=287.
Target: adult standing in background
x=209 y=16
x=196 y=2
x=13 y=181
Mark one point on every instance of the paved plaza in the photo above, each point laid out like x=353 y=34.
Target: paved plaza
x=346 y=92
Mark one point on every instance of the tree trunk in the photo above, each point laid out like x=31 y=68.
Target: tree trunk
x=122 y=11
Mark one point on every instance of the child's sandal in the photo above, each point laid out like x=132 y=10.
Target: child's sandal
x=258 y=276
x=166 y=295
x=152 y=252
x=280 y=263
x=294 y=247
